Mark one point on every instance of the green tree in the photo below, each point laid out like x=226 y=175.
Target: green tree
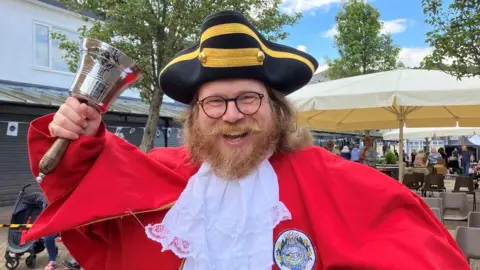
x=361 y=46
x=455 y=37
x=152 y=31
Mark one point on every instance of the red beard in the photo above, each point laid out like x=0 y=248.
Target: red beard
x=235 y=162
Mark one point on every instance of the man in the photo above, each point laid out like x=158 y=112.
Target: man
x=246 y=192
x=434 y=157
x=355 y=154
x=465 y=160
x=332 y=149
x=368 y=155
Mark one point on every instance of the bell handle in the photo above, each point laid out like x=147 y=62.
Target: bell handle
x=52 y=158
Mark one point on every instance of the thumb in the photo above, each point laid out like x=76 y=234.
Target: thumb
x=89 y=112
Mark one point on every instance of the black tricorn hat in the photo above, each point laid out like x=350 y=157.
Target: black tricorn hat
x=231 y=48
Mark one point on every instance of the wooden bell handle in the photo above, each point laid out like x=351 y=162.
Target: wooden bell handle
x=52 y=158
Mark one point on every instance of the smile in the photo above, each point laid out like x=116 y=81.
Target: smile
x=235 y=138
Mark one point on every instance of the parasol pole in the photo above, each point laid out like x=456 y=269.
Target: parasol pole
x=401 y=123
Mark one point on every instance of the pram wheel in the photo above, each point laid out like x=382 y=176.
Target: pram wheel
x=12 y=263
x=31 y=261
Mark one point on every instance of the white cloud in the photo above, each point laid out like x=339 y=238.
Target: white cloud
x=321 y=67
x=392 y=27
x=302 y=48
x=292 y=6
x=312 y=13
x=395 y=26
x=330 y=32
x=411 y=57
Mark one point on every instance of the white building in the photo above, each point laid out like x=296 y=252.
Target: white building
x=34 y=81
x=27 y=52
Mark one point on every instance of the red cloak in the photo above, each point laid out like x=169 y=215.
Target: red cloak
x=348 y=215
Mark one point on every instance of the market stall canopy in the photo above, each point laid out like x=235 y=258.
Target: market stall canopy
x=421 y=98
x=475 y=140
x=421 y=133
x=391 y=99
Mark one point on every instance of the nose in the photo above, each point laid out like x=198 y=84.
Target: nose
x=232 y=114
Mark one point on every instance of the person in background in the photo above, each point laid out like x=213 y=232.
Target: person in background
x=52 y=251
x=421 y=159
x=442 y=152
x=385 y=148
x=355 y=155
x=465 y=160
x=332 y=149
x=368 y=155
x=413 y=154
x=345 y=153
x=455 y=153
x=433 y=159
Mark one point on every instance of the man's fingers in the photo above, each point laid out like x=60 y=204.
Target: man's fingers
x=73 y=103
x=89 y=112
x=58 y=131
x=66 y=123
x=73 y=115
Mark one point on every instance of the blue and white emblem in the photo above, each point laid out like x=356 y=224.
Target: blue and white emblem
x=294 y=251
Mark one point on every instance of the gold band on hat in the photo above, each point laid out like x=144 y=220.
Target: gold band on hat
x=230 y=57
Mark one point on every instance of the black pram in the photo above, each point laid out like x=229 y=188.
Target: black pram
x=27 y=208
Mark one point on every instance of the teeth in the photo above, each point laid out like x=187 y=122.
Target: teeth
x=234 y=134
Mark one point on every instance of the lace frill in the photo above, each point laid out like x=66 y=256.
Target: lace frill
x=239 y=236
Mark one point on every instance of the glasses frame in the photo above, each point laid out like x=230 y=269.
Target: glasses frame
x=228 y=100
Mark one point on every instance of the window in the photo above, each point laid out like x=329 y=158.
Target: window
x=48 y=54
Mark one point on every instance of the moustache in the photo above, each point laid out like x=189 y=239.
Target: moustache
x=222 y=129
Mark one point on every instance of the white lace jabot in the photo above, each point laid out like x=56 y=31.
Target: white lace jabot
x=219 y=224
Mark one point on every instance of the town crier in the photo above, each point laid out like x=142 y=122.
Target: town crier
x=246 y=191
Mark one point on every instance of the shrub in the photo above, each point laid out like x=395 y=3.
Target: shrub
x=390 y=158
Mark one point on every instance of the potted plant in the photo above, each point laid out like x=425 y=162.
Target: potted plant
x=390 y=158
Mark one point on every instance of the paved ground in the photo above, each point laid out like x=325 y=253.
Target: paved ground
x=42 y=259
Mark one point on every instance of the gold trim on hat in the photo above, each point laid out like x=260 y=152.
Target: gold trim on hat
x=235 y=28
x=219 y=58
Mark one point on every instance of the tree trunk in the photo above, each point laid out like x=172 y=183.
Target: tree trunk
x=153 y=116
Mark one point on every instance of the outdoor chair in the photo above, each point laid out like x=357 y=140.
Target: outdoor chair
x=469 y=241
x=420 y=178
x=467 y=183
x=435 y=203
x=434 y=183
x=455 y=202
x=410 y=180
x=474 y=219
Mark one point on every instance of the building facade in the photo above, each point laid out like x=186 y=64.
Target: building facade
x=34 y=81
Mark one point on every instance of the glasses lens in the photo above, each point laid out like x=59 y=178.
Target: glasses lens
x=249 y=103
x=214 y=106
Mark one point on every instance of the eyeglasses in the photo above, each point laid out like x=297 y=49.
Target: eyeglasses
x=247 y=103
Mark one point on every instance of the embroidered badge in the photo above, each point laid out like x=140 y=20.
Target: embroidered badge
x=294 y=251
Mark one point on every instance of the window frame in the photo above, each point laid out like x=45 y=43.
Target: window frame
x=50 y=47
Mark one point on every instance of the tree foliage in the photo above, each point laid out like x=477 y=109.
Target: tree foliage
x=152 y=31
x=455 y=37
x=362 y=47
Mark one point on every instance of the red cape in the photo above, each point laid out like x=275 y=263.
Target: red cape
x=354 y=216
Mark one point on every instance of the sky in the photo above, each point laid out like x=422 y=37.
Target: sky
x=403 y=19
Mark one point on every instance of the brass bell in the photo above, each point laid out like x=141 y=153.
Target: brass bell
x=260 y=56
x=202 y=57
